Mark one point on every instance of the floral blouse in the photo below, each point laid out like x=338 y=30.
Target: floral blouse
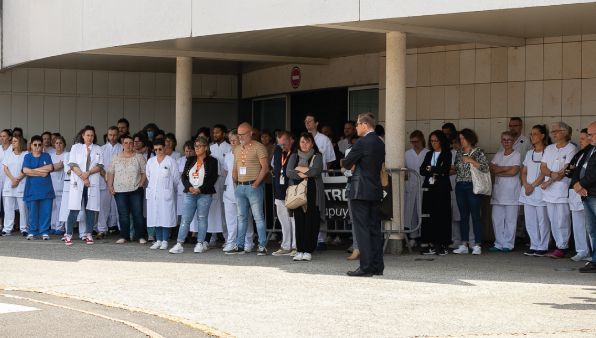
x=127 y=172
x=462 y=169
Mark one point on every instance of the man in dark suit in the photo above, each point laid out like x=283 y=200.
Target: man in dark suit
x=586 y=187
x=365 y=194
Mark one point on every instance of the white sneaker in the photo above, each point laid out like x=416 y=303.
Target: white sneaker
x=229 y=247
x=198 y=248
x=462 y=250
x=579 y=257
x=121 y=241
x=155 y=245
x=306 y=256
x=206 y=246
x=298 y=256
x=248 y=249
x=177 y=249
x=476 y=250
x=142 y=241
x=164 y=245
x=293 y=253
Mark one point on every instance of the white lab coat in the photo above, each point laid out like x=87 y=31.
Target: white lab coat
x=162 y=178
x=78 y=155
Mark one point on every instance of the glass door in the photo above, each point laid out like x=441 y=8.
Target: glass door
x=270 y=113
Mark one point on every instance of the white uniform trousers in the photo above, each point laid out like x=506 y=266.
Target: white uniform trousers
x=411 y=212
x=215 y=220
x=231 y=214
x=288 y=226
x=55 y=221
x=538 y=227
x=108 y=212
x=560 y=223
x=580 y=234
x=504 y=225
x=11 y=205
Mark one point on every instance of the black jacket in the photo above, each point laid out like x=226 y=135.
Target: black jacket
x=589 y=179
x=279 y=190
x=440 y=171
x=368 y=154
x=210 y=164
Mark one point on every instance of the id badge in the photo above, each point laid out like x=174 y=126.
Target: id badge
x=431 y=180
x=242 y=170
x=282 y=180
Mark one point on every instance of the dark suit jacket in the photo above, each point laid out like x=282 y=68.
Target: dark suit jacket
x=440 y=171
x=368 y=154
x=210 y=164
x=589 y=180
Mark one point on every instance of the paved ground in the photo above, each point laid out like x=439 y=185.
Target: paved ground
x=491 y=295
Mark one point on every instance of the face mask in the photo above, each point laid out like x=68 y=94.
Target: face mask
x=150 y=134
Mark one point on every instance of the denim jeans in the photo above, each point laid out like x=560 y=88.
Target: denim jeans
x=468 y=203
x=40 y=212
x=90 y=217
x=127 y=203
x=249 y=197
x=162 y=233
x=194 y=203
x=590 y=212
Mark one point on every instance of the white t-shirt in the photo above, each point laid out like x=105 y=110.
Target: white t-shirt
x=108 y=151
x=195 y=177
x=555 y=160
x=325 y=147
x=506 y=188
x=532 y=165
x=414 y=161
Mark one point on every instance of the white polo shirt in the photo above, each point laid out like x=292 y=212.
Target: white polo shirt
x=325 y=147
x=506 y=188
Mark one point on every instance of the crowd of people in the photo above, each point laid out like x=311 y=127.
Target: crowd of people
x=546 y=173
x=139 y=187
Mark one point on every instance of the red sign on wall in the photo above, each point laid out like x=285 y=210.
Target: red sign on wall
x=295 y=77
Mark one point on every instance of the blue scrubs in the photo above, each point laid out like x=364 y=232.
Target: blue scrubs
x=39 y=195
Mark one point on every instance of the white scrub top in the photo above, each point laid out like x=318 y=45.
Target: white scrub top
x=555 y=160
x=15 y=165
x=506 y=188
x=532 y=165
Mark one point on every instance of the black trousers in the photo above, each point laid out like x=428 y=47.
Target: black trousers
x=308 y=223
x=366 y=220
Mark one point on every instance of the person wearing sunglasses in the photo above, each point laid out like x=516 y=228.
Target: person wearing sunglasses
x=505 y=198
x=162 y=177
x=535 y=215
x=39 y=192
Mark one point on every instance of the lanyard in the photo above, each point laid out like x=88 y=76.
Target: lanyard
x=198 y=166
x=243 y=151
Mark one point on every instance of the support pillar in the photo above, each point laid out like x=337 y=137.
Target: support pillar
x=395 y=124
x=183 y=99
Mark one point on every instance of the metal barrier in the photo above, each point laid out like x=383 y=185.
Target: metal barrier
x=338 y=217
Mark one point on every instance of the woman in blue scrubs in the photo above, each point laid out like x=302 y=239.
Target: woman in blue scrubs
x=39 y=193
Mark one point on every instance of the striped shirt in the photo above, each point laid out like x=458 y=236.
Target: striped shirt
x=248 y=157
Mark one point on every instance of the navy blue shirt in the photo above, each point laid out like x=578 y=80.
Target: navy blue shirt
x=37 y=187
x=279 y=170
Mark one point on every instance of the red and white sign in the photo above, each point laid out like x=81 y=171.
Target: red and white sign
x=295 y=77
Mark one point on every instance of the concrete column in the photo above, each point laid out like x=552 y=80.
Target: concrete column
x=395 y=121
x=183 y=99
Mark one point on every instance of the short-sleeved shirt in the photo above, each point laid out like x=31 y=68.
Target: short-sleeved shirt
x=555 y=160
x=506 y=188
x=38 y=187
x=326 y=148
x=127 y=172
x=248 y=157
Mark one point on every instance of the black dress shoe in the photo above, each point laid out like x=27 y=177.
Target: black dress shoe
x=378 y=273
x=359 y=273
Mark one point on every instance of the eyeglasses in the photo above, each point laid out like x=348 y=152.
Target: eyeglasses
x=36 y=144
x=556 y=131
x=200 y=146
x=157 y=149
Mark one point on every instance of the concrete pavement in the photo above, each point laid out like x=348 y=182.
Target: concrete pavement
x=249 y=296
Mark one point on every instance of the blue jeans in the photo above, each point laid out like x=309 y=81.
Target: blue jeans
x=468 y=202
x=127 y=203
x=249 y=197
x=40 y=213
x=90 y=216
x=194 y=203
x=162 y=233
x=590 y=212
